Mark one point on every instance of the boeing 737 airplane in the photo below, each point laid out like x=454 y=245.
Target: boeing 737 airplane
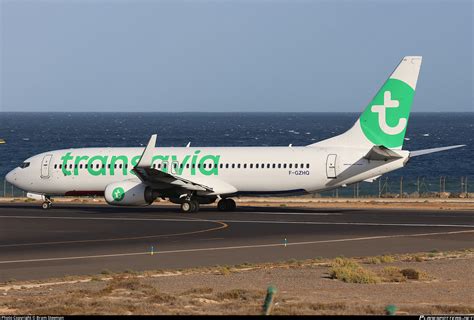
x=193 y=176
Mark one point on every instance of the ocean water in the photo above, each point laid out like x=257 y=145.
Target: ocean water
x=27 y=134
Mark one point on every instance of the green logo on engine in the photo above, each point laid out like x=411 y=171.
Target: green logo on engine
x=385 y=119
x=118 y=194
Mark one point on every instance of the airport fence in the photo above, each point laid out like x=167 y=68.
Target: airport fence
x=384 y=187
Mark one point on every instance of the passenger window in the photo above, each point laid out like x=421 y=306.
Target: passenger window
x=273 y=166
x=279 y=166
x=284 y=166
x=55 y=166
x=215 y=165
x=187 y=166
x=251 y=166
x=307 y=166
x=60 y=166
x=238 y=166
x=289 y=165
x=80 y=166
x=233 y=165
x=70 y=166
x=227 y=166
x=221 y=165
x=296 y=166
x=108 y=166
x=103 y=166
x=302 y=166
x=256 y=166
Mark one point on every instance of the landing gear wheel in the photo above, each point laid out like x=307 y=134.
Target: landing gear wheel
x=195 y=205
x=46 y=205
x=226 y=205
x=187 y=206
x=231 y=205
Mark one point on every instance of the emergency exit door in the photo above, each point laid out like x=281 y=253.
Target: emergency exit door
x=331 y=166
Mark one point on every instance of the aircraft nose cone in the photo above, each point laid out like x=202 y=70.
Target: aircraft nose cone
x=10 y=177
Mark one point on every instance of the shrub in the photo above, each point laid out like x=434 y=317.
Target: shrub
x=393 y=274
x=411 y=274
x=350 y=271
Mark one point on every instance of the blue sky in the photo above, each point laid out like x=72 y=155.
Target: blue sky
x=230 y=55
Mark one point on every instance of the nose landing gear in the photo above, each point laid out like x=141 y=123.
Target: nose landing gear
x=47 y=203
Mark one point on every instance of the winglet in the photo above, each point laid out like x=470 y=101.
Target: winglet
x=147 y=155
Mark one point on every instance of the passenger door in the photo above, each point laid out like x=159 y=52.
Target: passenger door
x=45 y=166
x=331 y=166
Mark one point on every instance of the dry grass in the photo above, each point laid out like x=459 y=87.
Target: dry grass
x=348 y=270
x=141 y=293
x=392 y=274
x=380 y=259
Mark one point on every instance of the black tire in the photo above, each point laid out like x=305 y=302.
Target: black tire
x=221 y=205
x=187 y=206
x=46 y=205
x=226 y=205
x=230 y=204
x=195 y=205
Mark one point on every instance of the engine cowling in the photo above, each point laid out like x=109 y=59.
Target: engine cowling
x=129 y=193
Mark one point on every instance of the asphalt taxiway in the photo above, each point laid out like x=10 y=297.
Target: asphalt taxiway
x=88 y=239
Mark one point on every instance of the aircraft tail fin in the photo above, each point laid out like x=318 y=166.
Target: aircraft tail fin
x=384 y=120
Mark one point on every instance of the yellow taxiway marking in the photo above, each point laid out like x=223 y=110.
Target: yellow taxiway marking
x=222 y=226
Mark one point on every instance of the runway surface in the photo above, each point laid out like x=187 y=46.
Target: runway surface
x=87 y=239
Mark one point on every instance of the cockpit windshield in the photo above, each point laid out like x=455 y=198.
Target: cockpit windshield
x=24 y=165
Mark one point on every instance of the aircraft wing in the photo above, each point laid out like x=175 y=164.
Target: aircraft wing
x=154 y=177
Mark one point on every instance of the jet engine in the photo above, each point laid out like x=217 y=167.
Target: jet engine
x=129 y=193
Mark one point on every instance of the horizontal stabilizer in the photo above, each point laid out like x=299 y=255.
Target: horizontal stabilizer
x=382 y=153
x=428 y=151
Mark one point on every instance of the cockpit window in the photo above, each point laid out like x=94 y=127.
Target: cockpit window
x=24 y=165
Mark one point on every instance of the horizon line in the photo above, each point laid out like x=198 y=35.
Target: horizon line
x=1 y=111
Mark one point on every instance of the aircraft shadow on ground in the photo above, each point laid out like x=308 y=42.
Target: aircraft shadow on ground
x=103 y=209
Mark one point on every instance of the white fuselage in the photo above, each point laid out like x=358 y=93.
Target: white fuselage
x=230 y=170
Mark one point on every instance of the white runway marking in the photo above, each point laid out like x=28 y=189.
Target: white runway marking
x=298 y=213
x=157 y=253
x=250 y=221
x=349 y=223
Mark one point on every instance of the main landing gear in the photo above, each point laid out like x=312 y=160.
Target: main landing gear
x=190 y=205
x=226 y=205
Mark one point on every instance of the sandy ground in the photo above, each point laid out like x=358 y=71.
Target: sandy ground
x=308 y=202
x=303 y=287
